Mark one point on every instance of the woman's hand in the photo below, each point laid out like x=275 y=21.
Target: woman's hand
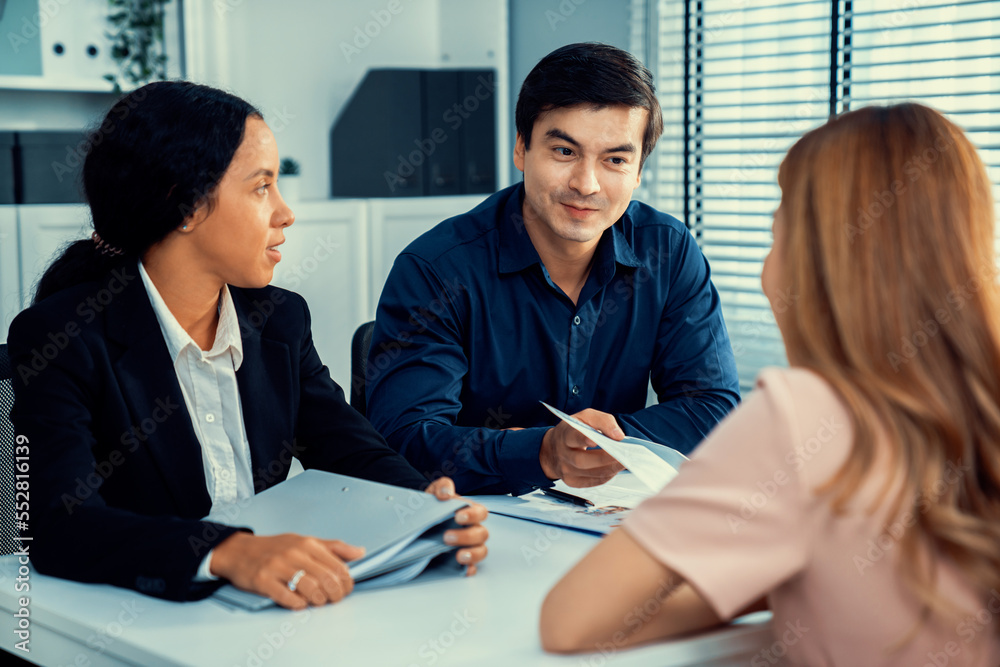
x=474 y=536
x=267 y=565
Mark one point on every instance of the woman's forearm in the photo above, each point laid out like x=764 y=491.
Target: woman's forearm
x=620 y=595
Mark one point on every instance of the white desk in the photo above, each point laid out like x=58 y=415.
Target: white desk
x=489 y=619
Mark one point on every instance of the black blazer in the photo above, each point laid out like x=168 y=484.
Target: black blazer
x=117 y=485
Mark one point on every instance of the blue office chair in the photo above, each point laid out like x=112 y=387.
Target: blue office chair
x=8 y=531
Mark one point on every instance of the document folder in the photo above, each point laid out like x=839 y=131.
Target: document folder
x=401 y=529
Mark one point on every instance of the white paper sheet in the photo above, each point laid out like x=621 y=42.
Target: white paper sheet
x=648 y=468
x=624 y=490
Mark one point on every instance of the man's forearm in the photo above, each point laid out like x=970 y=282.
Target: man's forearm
x=480 y=460
x=681 y=422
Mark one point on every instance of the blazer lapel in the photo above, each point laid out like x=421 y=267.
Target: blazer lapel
x=155 y=402
x=265 y=382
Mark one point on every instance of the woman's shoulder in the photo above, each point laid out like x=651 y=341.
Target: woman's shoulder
x=818 y=424
x=91 y=299
x=803 y=397
x=797 y=386
x=277 y=296
x=67 y=329
x=270 y=306
x=74 y=308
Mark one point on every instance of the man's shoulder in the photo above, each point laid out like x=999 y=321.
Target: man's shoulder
x=645 y=219
x=470 y=232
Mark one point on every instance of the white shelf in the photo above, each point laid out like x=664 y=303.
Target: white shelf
x=76 y=85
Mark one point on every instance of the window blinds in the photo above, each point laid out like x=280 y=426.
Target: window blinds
x=740 y=81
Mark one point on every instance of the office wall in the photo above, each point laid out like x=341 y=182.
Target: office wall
x=538 y=27
x=300 y=63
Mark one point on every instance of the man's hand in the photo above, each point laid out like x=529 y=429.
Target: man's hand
x=265 y=565
x=564 y=454
x=474 y=536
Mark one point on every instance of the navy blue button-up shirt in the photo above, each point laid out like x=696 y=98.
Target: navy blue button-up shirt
x=471 y=333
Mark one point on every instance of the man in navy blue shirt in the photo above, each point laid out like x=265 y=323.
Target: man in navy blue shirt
x=558 y=290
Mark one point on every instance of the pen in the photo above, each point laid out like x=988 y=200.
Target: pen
x=567 y=497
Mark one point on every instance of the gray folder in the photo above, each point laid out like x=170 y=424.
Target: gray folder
x=399 y=528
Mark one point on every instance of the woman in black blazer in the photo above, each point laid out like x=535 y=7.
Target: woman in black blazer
x=113 y=408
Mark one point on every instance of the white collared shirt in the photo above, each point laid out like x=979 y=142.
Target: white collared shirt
x=212 y=397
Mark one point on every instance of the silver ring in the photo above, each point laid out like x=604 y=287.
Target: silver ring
x=294 y=581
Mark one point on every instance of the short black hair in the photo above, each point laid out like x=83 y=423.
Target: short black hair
x=594 y=74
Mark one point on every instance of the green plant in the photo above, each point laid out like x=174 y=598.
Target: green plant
x=288 y=167
x=137 y=42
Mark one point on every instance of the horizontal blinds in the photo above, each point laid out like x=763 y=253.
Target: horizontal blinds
x=758 y=77
x=665 y=167
x=944 y=55
x=740 y=82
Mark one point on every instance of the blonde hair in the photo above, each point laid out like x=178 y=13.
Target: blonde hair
x=890 y=229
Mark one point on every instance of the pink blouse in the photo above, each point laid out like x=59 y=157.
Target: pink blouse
x=742 y=521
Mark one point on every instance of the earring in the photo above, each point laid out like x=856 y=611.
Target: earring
x=184 y=227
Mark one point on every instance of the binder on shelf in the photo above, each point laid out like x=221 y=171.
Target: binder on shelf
x=7 y=168
x=415 y=133
x=479 y=158
x=51 y=165
x=401 y=529
x=443 y=167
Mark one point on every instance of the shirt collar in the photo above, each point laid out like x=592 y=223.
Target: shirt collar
x=624 y=253
x=518 y=253
x=227 y=334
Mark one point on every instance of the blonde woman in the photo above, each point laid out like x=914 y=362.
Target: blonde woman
x=856 y=493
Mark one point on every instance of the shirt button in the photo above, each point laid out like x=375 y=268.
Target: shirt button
x=576 y=320
x=211 y=418
x=576 y=390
